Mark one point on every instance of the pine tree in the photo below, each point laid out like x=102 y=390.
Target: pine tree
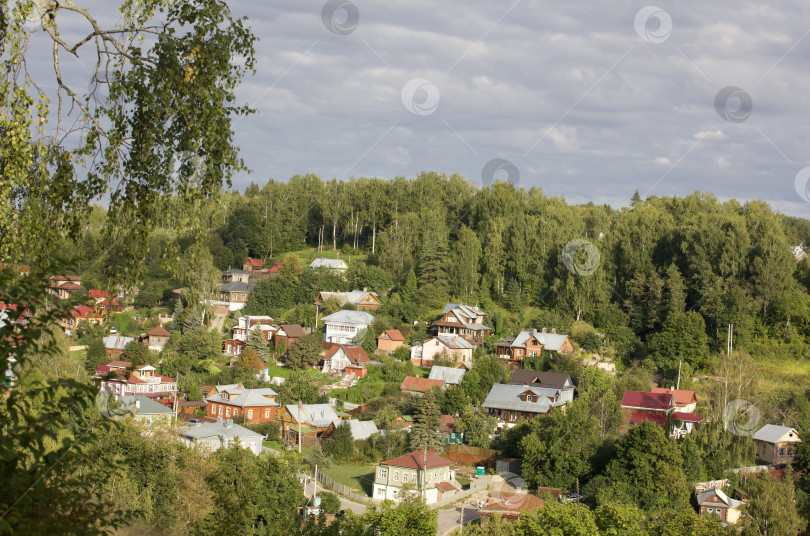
x=433 y=283
x=256 y=342
x=408 y=289
x=635 y=200
x=192 y=320
x=425 y=431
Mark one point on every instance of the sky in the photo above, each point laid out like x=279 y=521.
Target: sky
x=588 y=101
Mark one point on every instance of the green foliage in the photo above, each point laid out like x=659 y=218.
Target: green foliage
x=256 y=342
x=136 y=353
x=298 y=387
x=410 y=517
x=305 y=352
x=477 y=426
x=683 y=337
x=329 y=502
x=554 y=519
x=425 y=430
x=772 y=508
x=341 y=445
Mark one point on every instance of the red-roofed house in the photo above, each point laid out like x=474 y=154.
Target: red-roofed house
x=346 y=359
x=122 y=380
x=685 y=401
x=423 y=470
x=81 y=313
x=156 y=338
x=390 y=340
x=289 y=333
x=510 y=506
x=640 y=406
x=418 y=386
x=253 y=265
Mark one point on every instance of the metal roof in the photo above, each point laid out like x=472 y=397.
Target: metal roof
x=219 y=428
x=146 y=406
x=236 y=286
x=335 y=264
x=455 y=342
x=362 y=429
x=771 y=433
x=703 y=496
x=319 y=415
x=116 y=342
x=245 y=397
x=448 y=375
x=353 y=318
x=503 y=396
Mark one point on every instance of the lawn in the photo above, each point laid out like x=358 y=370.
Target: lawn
x=306 y=256
x=360 y=478
x=279 y=446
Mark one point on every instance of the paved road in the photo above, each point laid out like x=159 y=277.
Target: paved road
x=345 y=504
x=448 y=519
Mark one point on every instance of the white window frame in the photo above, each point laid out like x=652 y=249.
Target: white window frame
x=383 y=473
x=250 y=414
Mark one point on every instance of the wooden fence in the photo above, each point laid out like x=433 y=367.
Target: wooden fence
x=340 y=489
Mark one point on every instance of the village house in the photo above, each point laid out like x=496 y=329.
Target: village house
x=776 y=445
x=146 y=411
x=448 y=375
x=211 y=436
x=510 y=508
x=79 y=314
x=121 y=379
x=234 y=295
x=532 y=343
x=115 y=344
x=428 y=474
x=104 y=301
x=419 y=386
x=714 y=502
x=685 y=401
x=333 y=265
x=235 y=276
x=360 y=299
x=288 y=334
x=389 y=340
x=551 y=380
x=157 y=338
x=451 y=347
x=255 y=405
x=246 y=323
x=508 y=403
x=343 y=326
x=127 y=294
x=659 y=408
x=314 y=421
x=256 y=270
x=450 y=434
x=63 y=286
x=464 y=321
x=346 y=360
x=233 y=347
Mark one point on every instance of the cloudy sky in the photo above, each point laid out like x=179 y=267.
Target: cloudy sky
x=589 y=101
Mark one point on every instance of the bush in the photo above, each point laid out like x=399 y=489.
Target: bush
x=269 y=429
x=330 y=503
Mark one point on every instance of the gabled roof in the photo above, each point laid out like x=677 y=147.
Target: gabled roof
x=772 y=433
x=448 y=375
x=354 y=318
x=416 y=460
x=447 y=424
x=557 y=380
x=637 y=417
x=465 y=310
x=95 y=293
x=245 y=397
x=714 y=492
x=83 y=311
x=236 y=286
x=419 y=385
x=293 y=330
x=682 y=397
x=219 y=428
x=392 y=334
x=687 y=417
x=256 y=263
x=158 y=331
x=455 y=342
x=147 y=406
x=362 y=429
x=276 y=268
x=70 y=286
x=319 y=415
x=355 y=354
x=353 y=296
x=644 y=400
x=116 y=342
x=502 y=396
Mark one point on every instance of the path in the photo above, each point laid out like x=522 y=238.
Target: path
x=218 y=323
x=345 y=504
x=448 y=519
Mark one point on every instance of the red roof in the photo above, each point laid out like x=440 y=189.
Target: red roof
x=447 y=424
x=393 y=334
x=420 y=385
x=158 y=331
x=275 y=268
x=256 y=263
x=638 y=417
x=83 y=311
x=95 y=293
x=689 y=417
x=119 y=364
x=445 y=487
x=356 y=354
x=681 y=396
x=70 y=286
x=654 y=401
x=415 y=460
x=511 y=505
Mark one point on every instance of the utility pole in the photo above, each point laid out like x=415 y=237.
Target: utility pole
x=577 y=496
x=424 y=474
x=300 y=411
x=461 y=520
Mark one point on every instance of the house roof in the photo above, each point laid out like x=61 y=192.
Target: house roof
x=465 y=310
x=392 y=334
x=772 y=433
x=454 y=342
x=236 y=286
x=511 y=506
x=158 y=331
x=687 y=417
x=256 y=263
x=119 y=364
x=502 y=396
x=244 y=397
x=355 y=354
x=556 y=380
x=147 y=405
x=551 y=341
x=644 y=400
x=714 y=492
x=362 y=429
x=353 y=296
x=448 y=375
x=234 y=271
x=95 y=293
x=116 y=342
x=419 y=385
x=276 y=268
x=334 y=264
x=70 y=286
x=293 y=330
x=682 y=397
x=354 y=318
x=416 y=460
x=83 y=311
x=219 y=428
x=637 y=417
x=444 y=487
x=319 y=415
x=447 y=424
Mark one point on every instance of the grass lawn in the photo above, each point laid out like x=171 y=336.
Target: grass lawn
x=277 y=445
x=358 y=477
x=306 y=256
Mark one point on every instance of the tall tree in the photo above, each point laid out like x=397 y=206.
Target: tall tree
x=425 y=430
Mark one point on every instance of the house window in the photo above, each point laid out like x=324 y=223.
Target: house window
x=227 y=412
x=243 y=296
x=267 y=414
x=512 y=416
x=404 y=477
x=220 y=410
x=781 y=452
x=250 y=414
x=528 y=398
x=790 y=452
x=383 y=473
x=396 y=476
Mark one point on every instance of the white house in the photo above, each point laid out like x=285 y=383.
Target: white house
x=339 y=358
x=432 y=478
x=213 y=435
x=342 y=327
x=455 y=347
x=245 y=323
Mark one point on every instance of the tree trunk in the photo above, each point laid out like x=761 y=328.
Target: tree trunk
x=334 y=235
x=373 y=237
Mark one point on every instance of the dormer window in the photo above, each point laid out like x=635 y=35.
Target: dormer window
x=225 y=396
x=528 y=398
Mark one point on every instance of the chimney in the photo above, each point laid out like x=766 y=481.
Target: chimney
x=432 y=450
x=365 y=289
x=544 y=330
x=554 y=331
x=671 y=387
x=240 y=386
